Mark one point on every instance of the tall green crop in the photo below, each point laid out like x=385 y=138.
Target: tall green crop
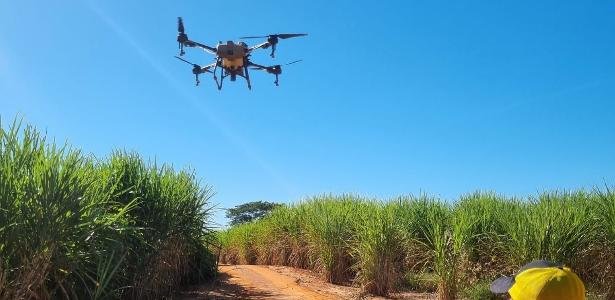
x=376 y=249
x=75 y=227
x=601 y=257
x=460 y=245
x=329 y=227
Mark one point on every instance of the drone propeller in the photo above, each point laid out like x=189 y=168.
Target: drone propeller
x=272 y=40
x=180 y=25
x=293 y=62
x=272 y=68
x=181 y=35
x=196 y=69
x=194 y=65
x=182 y=39
x=275 y=70
x=279 y=35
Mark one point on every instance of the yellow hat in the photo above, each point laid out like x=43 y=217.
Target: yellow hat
x=541 y=280
x=547 y=284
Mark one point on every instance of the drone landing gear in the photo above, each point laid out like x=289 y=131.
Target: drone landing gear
x=277 y=80
x=181 y=39
x=218 y=84
x=247 y=76
x=273 y=48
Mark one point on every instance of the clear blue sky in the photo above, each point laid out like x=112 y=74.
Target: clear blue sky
x=393 y=97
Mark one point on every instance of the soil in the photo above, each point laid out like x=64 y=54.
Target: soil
x=276 y=282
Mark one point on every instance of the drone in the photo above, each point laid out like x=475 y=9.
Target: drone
x=232 y=58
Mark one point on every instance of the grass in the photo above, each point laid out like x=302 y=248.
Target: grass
x=378 y=263
x=72 y=226
x=460 y=246
x=328 y=231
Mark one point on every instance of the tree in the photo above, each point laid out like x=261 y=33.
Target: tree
x=250 y=211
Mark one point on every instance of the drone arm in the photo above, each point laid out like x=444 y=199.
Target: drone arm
x=257 y=66
x=275 y=70
x=189 y=43
x=198 y=70
x=264 y=45
x=206 y=69
x=205 y=47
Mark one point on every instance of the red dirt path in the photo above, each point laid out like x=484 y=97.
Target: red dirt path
x=273 y=282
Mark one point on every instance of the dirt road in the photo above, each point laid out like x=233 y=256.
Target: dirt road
x=256 y=282
x=274 y=282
